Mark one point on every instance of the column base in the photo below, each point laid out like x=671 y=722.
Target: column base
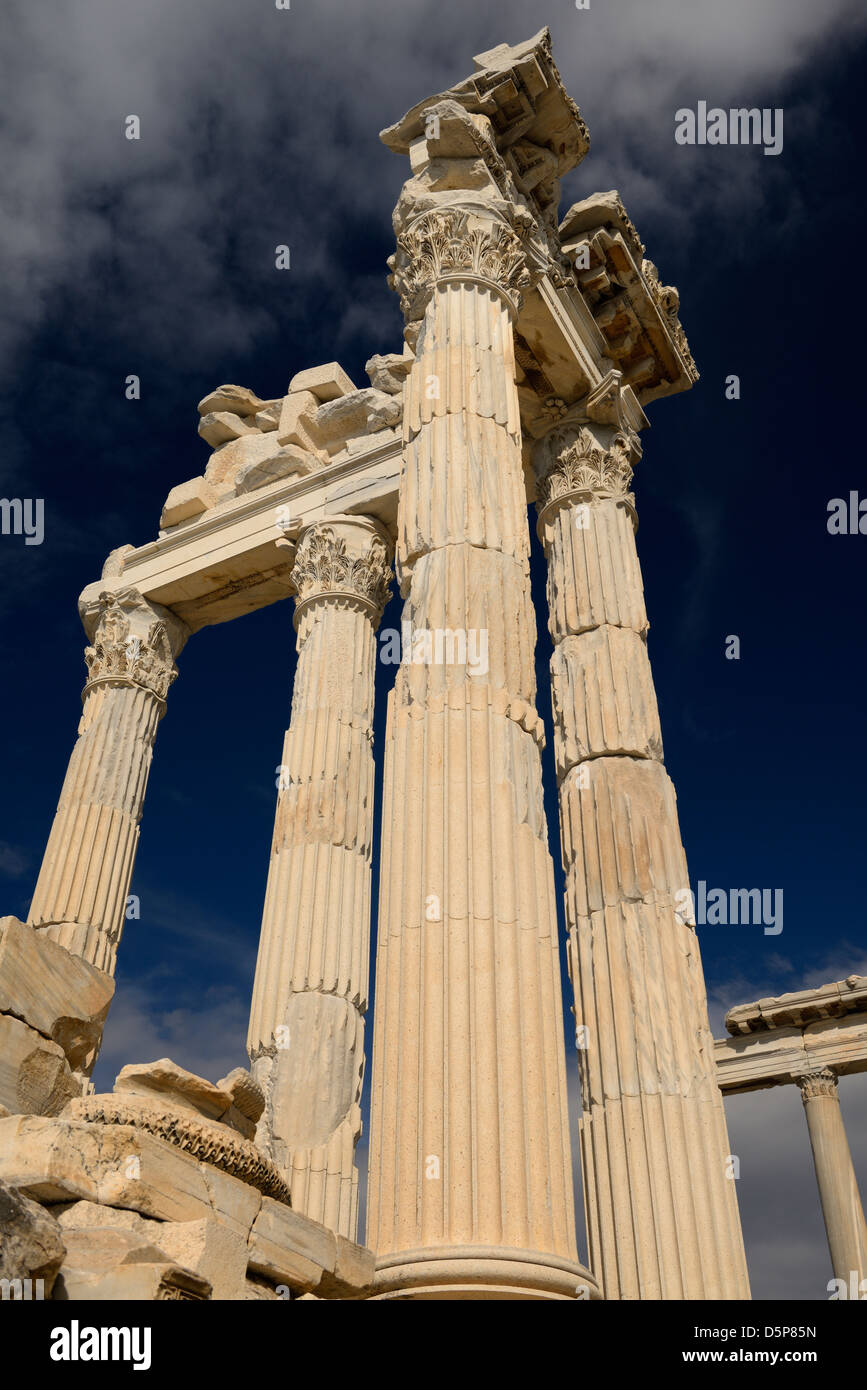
x=478 y=1272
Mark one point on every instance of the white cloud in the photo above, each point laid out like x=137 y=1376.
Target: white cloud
x=259 y=125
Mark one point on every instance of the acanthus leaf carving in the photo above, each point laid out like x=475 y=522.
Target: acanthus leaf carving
x=324 y=566
x=440 y=245
x=573 y=462
x=117 y=653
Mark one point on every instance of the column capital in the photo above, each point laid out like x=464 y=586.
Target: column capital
x=582 y=462
x=456 y=243
x=132 y=641
x=821 y=1081
x=345 y=556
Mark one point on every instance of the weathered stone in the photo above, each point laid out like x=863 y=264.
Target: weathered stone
x=245 y=1091
x=238 y=400
x=388 y=372
x=269 y=418
x=53 y=991
x=120 y=1166
x=353 y=1272
x=286 y=1245
x=286 y=462
x=82 y=891
x=31 y=1240
x=362 y=412
x=326 y=382
x=298 y=423
x=139 y=1281
x=179 y=1088
x=35 y=1077
x=222 y=426
x=311 y=977
x=173 y=1087
x=230 y=459
x=211 y=1250
x=186 y=501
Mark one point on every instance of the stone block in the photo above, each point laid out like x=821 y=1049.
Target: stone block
x=121 y=1166
x=286 y=462
x=326 y=382
x=238 y=400
x=35 y=1077
x=269 y=418
x=187 y=500
x=362 y=413
x=53 y=991
x=31 y=1240
x=298 y=422
x=222 y=425
x=211 y=1250
x=353 y=1271
x=388 y=371
x=177 y=1089
x=135 y=1282
x=230 y=460
x=288 y=1247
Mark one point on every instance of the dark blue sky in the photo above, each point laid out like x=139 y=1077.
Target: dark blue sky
x=157 y=258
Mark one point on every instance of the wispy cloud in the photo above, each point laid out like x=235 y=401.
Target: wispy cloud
x=14 y=862
x=258 y=126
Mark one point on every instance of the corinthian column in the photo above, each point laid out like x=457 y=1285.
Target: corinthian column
x=81 y=893
x=470 y=1189
x=662 y=1216
x=835 y=1175
x=306 y=1036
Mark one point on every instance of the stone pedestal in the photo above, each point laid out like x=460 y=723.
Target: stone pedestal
x=835 y=1175
x=306 y=1036
x=662 y=1215
x=81 y=894
x=470 y=1191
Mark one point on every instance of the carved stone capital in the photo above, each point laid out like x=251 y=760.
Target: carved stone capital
x=132 y=641
x=347 y=556
x=453 y=244
x=575 y=463
x=820 y=1082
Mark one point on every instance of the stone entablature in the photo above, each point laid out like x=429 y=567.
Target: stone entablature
x=801 y=1007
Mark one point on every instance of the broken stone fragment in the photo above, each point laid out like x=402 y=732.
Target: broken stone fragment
x=238 y=400
x=177 y=1089
x=298 y=423
x=31 y=1240
x=326 y=383
x=115 y=560
x=219 y=427
x=364 y=412
x=245 y=1091
x=269 y=418
x=187 y=500
x=228 y=460
x=57 y=993
x=35 y=1077
x=288 y=461
x=210 y=1250
x=139 y=1281
x=388 y=371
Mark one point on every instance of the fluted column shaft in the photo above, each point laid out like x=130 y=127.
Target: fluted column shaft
x=470 y=1176
x=83 y=886
x=835 y=1176
x=661 y=1209
x=306 y=1037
